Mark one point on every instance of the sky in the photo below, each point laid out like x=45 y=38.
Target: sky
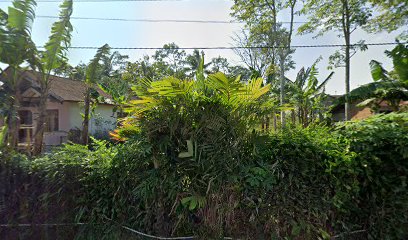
x=145 y=34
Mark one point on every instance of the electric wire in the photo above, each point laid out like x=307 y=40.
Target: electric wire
x=155 y=20
x=238 y=47
x=97 y=1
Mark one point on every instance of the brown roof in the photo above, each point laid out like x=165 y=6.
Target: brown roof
x=66 y=89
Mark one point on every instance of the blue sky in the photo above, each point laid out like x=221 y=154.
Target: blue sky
x=143 y=34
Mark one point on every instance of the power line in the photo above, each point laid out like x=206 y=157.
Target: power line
x=91 y=1
x=155 y=20
x=144 y=20
x=233 y=48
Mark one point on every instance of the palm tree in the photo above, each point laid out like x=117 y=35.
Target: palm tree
x=388 y=86
x=308 y=94
x=53 y=57
x=16 y=48
x=217 y=110
x=193 y=63
x=91 y=82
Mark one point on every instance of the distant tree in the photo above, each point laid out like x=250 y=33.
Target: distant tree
x=307 y=94
x=141 y=69
x=192 y=63
x=391 y=15
x=344 y=16
x=91 y=80
x=261 y=21
x=221 y=64
x=169 y=61
x=259 y=60
x=113 y=82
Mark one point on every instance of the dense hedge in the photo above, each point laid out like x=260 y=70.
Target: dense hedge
x=317 y=182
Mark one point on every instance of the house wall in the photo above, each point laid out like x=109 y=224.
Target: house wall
x=362 y=114
x=101 y=122
x=55 y=137
x=356 y=113
x=69 y=118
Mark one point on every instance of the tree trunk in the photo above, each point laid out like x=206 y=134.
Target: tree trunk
x=13 y=124
x=40 y=126
x=275 y=120
x=282 y=87
x=347 y=83
x=85 y=123
x=347 y=33
x=268 y=120
x=13 y=119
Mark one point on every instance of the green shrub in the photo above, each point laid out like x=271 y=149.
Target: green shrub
x=380 y=170
x=297 y=189
x=301 y=183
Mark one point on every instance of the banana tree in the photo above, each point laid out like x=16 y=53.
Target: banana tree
x=16 y=48
x=91 y=82
x=388 y=86
x=53 y=57
x=308 y=94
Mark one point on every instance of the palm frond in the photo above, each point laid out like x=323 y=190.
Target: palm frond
x=21 y=15
x=171 y=87
x=60 y=38
x=200 y=69
x=371 y=90
x=324 y=83
x=94 y=64
x=378 y=72
x=254 y=89
x=226 y=88
x=300 y=78
x=3 y=31
x=367 y=102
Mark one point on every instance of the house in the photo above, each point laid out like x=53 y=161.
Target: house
x=64 y=110
x=357 y=112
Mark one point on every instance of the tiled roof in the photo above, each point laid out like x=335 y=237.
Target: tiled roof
x=70 y=90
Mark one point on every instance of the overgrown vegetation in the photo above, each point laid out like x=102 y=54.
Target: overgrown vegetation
x=302 y=183
x=194 y=154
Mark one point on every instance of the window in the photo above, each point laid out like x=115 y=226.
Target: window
x=51 y=121
x=26 y=117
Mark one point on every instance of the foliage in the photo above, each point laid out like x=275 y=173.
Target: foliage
x=344 y=17
x=388 y=86
x=275 y=41
x=308 y=96
x=311 y=183
x=169 y=60
x=324 y=16
x=15 y=37
x=392 y=15
x=381 y=170
x=91 y=82
x=52 y=57
x=197 y=111
x=293 y=160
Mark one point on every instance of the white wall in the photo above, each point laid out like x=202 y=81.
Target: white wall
x=102 y=121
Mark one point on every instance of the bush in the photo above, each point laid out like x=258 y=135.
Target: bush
x=301 y=183
x=295 y=187
x=379 y=201
x=50 y=189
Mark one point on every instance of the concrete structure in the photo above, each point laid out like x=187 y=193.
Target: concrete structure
x=64 y=109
